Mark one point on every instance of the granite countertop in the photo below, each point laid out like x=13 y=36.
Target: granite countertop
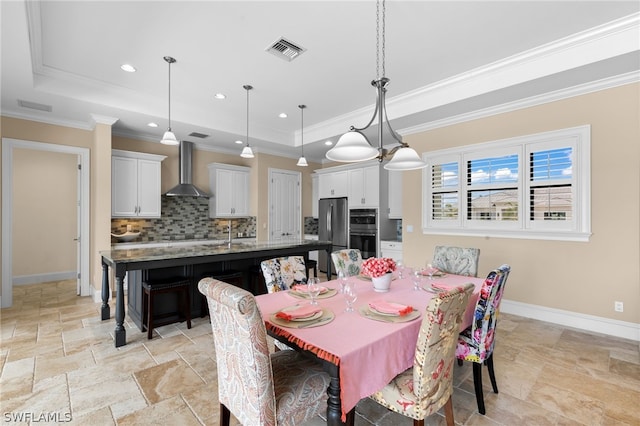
x=172 y=250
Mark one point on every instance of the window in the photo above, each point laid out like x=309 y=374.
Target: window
x=535 y=186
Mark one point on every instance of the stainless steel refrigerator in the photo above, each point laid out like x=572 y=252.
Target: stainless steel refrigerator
x=333 y=225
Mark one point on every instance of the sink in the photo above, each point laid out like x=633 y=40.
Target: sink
x=127 y=236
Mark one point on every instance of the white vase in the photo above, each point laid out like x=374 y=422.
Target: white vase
x=383 y=283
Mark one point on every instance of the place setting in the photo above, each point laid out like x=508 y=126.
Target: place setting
x=302 y=315
x=312 y=290
x=385 y=311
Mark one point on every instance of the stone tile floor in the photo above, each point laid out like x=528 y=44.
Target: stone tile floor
x=58 y=360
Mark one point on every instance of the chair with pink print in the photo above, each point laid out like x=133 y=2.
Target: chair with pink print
x=424 y=388
x=476 y=343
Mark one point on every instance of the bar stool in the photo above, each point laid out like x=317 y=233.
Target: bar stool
x=230 y=276
x=312 y=265
x=171 y=285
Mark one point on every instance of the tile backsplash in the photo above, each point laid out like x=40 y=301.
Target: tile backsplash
x=310 y=226
x=184 y=218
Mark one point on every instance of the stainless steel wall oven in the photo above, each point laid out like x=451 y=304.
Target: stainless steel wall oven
x=363 y=231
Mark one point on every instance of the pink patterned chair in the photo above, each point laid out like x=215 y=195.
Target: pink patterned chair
x=282 y=273
x=476 y=343
x=427 y=386
x=283 y=388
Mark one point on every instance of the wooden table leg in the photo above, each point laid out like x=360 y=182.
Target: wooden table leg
x=105 y=311
x=334 y=404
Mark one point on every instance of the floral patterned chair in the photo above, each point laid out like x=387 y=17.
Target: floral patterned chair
x=282 y=273
x=456 y=260
x=422 y=389
x=347 y=261
x=476 y=343
x=283 y=388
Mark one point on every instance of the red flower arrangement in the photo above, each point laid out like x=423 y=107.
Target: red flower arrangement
x=377 y=266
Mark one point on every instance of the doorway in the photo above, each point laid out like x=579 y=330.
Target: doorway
x=284 y=205
x=82 y=205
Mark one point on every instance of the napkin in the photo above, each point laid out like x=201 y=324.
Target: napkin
x=301 y=311
x=301 y=288
x=440 y=286
x=390 y=307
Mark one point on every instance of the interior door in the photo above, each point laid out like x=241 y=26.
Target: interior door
x=284 y=205
x=79 y=229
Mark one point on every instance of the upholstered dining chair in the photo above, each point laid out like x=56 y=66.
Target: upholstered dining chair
x=282 y=388
x=456 y=260
x=424 y=388
x=281 y=273
x=347 y=261
x=476 y=343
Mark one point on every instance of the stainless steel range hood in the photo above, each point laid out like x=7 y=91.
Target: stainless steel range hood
x=185 y=188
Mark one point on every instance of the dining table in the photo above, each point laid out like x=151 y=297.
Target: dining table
x=363 y=350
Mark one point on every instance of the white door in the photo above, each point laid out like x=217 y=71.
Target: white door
x=284 y=204
x=79 y=228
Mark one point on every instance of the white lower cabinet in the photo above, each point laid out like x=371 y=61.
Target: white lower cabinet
x=392 y=249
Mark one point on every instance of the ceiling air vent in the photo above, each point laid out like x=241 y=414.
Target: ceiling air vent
x=198 y=135
x=34 y=105
x=285 y=49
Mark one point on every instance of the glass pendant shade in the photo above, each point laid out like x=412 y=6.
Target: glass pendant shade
x=352 y=147
x=247 y=152
x=302 y=162
x=169 y=138
x=405 y=159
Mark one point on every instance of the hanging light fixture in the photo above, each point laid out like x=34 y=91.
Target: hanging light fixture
x=354 y=146
x=169 y=138
x=246 y=151
x=302 y=162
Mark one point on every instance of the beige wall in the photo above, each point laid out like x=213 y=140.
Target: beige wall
x=44 y=204
x=575 y=276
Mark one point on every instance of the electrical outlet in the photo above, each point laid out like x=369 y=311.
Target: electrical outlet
x=129 y=228
x=618 y=306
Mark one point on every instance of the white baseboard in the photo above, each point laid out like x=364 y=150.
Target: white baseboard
x=626 y=330
x=43 y=278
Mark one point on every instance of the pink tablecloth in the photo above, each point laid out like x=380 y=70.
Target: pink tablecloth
x=370 y=353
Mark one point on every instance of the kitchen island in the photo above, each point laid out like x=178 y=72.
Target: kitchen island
x=191 y=261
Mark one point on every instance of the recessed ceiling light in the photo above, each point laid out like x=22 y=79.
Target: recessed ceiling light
x=328 y=143
x=283 y=115
x=219 y=96
x=239 y=142
x=152 y=124
x=127 y=68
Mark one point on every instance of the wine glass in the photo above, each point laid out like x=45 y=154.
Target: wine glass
x=417 y=278
x=431 y=270
x=350 y=296
x=343 y=280
x=313 y=287
x=400 y=269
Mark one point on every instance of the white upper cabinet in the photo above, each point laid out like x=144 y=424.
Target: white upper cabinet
x=229 y=187
x=364 y=187
x=135 y=184
x=332 y=185
x=395 y=194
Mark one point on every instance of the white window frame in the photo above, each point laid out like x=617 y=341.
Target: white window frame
x=578 y=229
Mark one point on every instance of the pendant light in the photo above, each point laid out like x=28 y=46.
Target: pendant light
x=302 y=162
x=354 y=146
x=169 y=138
x=246 y=151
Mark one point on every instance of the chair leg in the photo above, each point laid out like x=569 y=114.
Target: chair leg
x=477 y=384
x=459 y=362
x=448 y=412
x=225 y=415
x=418 y=422
x=492 y=376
